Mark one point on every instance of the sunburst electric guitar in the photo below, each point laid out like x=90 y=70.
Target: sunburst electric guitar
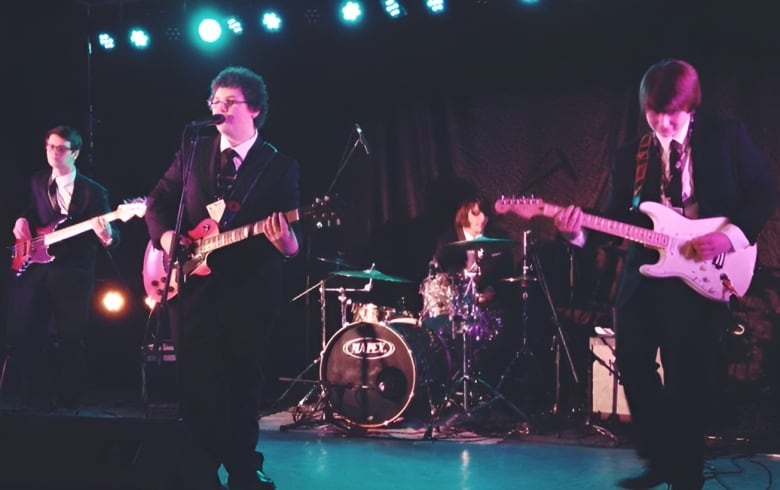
x=717 y=279
x=207 y=238
x=26 y=252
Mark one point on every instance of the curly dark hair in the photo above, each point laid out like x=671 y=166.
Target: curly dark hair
x=251 y=84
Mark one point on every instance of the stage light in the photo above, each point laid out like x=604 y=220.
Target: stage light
x=393 y=8
x=106 y=41
x=529 y=2
x=435 y=6
x=209 y=30
x=139 y=38
x=235 y=25
x=271 y=21
x=113 y=301
x=351 y=11
x=173 y=33
x=312 y=16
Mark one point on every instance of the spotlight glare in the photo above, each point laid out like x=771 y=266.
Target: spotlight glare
x=139 y=38
x=235 y=25
x=394 y=9
x=106 y=41
x=435 y=6
x=209 y=30
x=351 y=11
x=271 y=21
x=113 y=301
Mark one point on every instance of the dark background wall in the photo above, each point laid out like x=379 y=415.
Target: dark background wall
x=516 y=99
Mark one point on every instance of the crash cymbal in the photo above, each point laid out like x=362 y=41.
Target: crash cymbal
x=370 y=274
x=337 y=261
x=482 y=242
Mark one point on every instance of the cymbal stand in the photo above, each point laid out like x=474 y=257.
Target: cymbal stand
x=560 y=343
x=526 y=278
x=468 y=380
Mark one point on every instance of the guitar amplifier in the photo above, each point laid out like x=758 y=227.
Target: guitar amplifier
x=608 y=398
x=158 y=375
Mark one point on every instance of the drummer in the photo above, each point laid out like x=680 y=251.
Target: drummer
x=473 y=222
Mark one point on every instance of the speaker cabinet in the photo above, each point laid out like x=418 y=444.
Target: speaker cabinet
x=608 y=398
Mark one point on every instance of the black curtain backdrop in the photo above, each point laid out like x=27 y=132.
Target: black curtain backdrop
x=514 y=100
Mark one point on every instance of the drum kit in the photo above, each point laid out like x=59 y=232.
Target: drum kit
x=385 y=364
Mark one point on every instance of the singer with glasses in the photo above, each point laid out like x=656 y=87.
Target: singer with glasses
x=221 y=322
x=718 y=172
x=51 y=361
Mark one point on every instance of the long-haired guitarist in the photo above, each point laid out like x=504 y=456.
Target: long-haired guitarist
x=222 y=316
x=702 y=168
x=56 y=283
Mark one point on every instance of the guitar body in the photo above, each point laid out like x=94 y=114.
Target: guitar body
x=155 y=260
x=717 y=279
x=26 y=252
x=704 y=277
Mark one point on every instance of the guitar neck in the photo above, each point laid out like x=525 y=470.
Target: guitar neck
x=77 y=229
x=634 y=233
x=210 y=243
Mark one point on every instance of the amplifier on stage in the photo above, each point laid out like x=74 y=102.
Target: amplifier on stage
x=609 y=400
x=158 y=375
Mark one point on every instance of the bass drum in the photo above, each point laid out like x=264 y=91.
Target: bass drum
x=375 y=373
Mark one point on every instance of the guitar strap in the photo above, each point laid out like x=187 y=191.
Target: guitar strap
x=642 y=158
x=245 y=182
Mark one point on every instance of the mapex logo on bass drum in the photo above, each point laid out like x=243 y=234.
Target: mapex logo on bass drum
x=368 y=348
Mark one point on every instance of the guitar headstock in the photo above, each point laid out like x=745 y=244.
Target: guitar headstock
x=525 y=207
x=324 y=212
x=131 y=208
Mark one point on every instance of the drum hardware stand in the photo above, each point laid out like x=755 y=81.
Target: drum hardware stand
x=559 y=343
x=321 y=397
x=467 y=379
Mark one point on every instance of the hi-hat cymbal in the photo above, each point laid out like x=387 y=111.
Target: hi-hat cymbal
x=482 y=242
x=337 y=261
x=370 y=274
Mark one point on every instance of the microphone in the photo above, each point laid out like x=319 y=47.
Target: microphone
x=362 y=139
x=212 y=120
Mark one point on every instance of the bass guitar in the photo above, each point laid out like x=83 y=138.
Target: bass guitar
x=36 y=250
x=717 y=279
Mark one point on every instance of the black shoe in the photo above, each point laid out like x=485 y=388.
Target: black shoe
x=650 y=478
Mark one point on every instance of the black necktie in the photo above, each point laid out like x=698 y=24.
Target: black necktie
x=227 y=171
x=673 y=189
x=55 y=205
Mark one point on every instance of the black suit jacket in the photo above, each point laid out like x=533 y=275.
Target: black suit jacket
x=89 y=199
x=730 y=178
x=276 y=190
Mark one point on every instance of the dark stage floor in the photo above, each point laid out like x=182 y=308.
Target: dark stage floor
x=114 y=441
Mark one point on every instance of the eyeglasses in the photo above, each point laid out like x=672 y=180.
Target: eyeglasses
x=58 y=149
x=227 y=103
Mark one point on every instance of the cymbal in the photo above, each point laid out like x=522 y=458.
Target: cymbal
x=370 y=274
x=482 y=242
x=525 y=278
x=337 y=261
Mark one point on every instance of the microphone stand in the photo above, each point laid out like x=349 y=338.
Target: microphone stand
x=163 y=319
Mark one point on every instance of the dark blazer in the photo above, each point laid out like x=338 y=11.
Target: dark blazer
x=89 y=199
x=276 y=190
x=730 y=176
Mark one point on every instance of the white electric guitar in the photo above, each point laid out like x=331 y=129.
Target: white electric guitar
x=717 y=279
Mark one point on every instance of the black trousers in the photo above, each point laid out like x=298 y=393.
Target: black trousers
x=669 y=417
x=48 y=320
